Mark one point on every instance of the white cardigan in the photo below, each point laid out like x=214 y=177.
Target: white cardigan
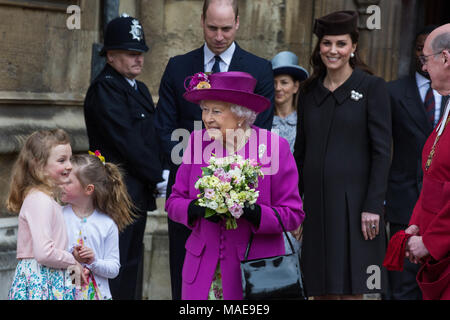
x=101 y=234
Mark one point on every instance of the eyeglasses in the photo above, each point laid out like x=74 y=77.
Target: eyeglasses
x=424 y=59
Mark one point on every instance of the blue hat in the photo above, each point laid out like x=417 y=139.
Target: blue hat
x=124 y=33
x=286 y=62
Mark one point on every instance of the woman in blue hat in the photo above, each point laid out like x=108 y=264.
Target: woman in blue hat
x=287 y=77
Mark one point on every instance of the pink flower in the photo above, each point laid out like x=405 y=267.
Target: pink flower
x=234 y=165
x=253 y=162
x=236 y=210
x=219 y=172
x=209 y=194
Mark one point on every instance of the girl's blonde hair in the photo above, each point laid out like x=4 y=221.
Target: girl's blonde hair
x=110 y=194
x=29 y=169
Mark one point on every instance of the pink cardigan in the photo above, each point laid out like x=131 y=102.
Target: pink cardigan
x=210 y=243
x=42 y=232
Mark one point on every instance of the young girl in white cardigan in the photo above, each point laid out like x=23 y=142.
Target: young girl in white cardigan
x=98 y=208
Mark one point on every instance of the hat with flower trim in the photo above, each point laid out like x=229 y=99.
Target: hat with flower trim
x=233 y=87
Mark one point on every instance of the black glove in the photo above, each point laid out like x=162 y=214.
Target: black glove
x=252 y=214
x=195 y=212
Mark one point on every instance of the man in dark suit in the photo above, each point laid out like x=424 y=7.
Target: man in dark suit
x=415 y=111
x=119 y=114
x=220 y=53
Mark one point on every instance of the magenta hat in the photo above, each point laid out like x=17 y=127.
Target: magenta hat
x=233 y=87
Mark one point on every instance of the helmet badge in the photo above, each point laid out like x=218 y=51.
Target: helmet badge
x=136 y=30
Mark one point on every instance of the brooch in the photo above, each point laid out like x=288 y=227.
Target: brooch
x=261 y=149
x=355 y=95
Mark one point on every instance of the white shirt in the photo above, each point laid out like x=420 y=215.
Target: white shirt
x=100 y=233
x=132 y=82
x=225 y=56
x=424 y=84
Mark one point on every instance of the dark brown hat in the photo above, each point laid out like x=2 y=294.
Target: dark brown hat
x=336 y=23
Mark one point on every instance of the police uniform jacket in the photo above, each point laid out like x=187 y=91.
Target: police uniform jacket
x=119 y=122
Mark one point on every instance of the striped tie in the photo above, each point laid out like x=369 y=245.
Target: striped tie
x=430 y=105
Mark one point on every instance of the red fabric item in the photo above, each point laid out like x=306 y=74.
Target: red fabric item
x=395 y=254
x=434 y=279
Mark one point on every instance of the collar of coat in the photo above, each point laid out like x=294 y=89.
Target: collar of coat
x=142 y=95
x=343 y=92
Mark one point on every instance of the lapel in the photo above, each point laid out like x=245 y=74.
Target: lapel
x=414 y=106
x=236 y=63
x=198 y=63
x=142 y=95
x=340 y=94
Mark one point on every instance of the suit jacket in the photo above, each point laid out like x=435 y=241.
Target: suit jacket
x=174 y=112
x=209 y=242
x=120 y=123
x=410 y=130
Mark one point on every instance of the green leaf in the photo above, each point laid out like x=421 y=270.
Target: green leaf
x=209 y=212
x=206 y=171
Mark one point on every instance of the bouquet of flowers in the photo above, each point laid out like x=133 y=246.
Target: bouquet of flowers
x=227 y=185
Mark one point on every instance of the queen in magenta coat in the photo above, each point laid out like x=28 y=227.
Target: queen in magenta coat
x=212 y=263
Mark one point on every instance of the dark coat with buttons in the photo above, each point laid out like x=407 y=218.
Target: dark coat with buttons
x=343 y=150
x=119 y=122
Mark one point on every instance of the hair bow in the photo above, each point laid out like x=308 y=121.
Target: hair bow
x=98 y=155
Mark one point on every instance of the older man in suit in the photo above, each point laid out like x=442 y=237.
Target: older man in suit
x=119 y=115
x=416 y=109
x=220 y=53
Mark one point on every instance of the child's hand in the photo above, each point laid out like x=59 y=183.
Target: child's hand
x=76 y=254
x=87 y=254
x=86 y=272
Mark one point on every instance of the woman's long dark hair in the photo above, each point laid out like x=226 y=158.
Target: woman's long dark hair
x=320 y=70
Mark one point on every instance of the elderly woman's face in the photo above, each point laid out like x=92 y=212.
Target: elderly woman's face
x=218 y=118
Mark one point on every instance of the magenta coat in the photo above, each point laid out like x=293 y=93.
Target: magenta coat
x=210 y=243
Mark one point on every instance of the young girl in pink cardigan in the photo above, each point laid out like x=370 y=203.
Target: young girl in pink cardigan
x=42 y=270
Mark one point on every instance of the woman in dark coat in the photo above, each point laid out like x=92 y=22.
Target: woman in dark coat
x=342 y=151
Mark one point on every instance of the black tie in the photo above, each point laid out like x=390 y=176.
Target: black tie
x=216 y=66
x=430 y=105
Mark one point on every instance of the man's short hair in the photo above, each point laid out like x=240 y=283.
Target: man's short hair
x=441 y=42
x=233 y=3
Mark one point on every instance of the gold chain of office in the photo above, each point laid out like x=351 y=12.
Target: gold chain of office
x=431 y=155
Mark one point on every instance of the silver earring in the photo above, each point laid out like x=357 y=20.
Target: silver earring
x=352 y=55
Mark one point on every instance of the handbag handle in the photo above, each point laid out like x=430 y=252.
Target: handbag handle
x=284 y=231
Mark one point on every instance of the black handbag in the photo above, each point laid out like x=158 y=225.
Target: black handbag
x=278 y=277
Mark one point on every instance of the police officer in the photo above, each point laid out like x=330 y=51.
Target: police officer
x=119 y=114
